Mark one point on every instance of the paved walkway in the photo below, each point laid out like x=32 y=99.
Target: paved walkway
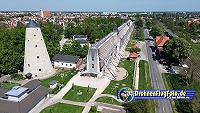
x=143 y=56
x=3 y=78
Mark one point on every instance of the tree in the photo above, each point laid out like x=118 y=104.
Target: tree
x=176 y=50
x=192 y=27
x=138 y=23
x=136 y=106
x=156 y=31
x=136 y=50
x=149 y=24
x=67 y=50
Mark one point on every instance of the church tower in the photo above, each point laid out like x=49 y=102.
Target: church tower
x=36 y=58
x=41 y=13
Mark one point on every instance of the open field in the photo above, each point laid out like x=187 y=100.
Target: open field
x=63 y=108
x=79 y=94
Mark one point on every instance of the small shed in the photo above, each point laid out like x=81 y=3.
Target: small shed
x=53 y=84
x=133 y=55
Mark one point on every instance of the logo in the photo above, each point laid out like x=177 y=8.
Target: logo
x=125 y=94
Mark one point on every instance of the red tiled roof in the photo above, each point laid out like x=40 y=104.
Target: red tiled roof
x=160 y=40
x=133 y=55
x=46 y=13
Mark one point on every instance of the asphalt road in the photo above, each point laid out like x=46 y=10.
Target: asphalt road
x=156 y=78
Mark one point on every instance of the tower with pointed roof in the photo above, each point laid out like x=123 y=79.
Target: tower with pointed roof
x=36 y=58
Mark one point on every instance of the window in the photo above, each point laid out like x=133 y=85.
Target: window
x=28 y=65
x=28 y=40
x=66 y=64
x=37 y=56
x=57 y=61
x=35 y=75
x=92 y=58
x=41 y=39
x=62 y=63
x=70 y=64
x=34 y=35
x=92 y=65
x=35 y=45
x=40 y=70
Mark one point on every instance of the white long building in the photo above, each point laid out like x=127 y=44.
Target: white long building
x=101 y=54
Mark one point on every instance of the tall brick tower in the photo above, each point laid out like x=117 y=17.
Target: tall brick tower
x=36 y=58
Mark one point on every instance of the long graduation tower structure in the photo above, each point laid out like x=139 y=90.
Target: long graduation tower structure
x=102 y=54
x=36 y=58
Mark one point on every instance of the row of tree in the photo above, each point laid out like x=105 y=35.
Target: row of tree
x=94 y=28
x=11 y=48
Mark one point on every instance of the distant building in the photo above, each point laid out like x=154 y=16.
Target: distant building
x=82 y=39
x=45 y=14
x=109 y=13
x=66 y=61
x=160 y=41
x=22 y=99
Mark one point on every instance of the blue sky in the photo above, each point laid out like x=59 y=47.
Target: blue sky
x=100 y=5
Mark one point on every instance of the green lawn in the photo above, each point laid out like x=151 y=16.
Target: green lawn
x=63 y=108
x=68 y=74
x=93 y=109
x=84 y=97
x=117 y=85
x=145 y=83
x=9 y=85
x=108 y=100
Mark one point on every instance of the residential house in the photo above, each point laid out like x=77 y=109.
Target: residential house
x=66 y=61
x=22 y=99
x=82 y=39
x=160 y=41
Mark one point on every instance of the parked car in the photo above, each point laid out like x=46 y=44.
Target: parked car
x=171 y=71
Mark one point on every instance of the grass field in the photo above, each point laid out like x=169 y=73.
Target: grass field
x=145 y=83
x=117 y=85
x=9 y=85
x=63 y=108
x=108 y=100
x=84 y=97
x=63 y=77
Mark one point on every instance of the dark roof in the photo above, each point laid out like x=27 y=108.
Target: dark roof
x=33 y=84
x=170 y=34
x=53 y=82
x=82 y=41
x=67 y=58
x=32 y=24
x=3 y=91
x=25 y=105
